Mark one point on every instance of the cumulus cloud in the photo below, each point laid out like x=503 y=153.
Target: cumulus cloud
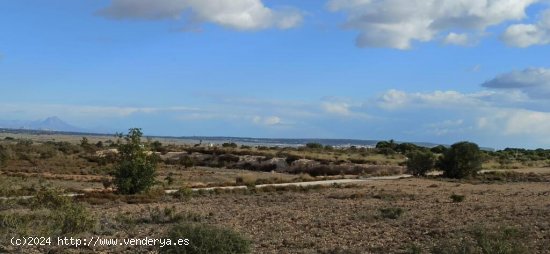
x=512 y=121
x=235 y=14
x=533 y=81
x=525 y=35
x=397 y=23
x=488 y=115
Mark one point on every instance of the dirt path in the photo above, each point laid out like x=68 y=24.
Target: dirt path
x=312 y=183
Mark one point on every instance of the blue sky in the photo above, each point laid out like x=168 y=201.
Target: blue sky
x=413 y=70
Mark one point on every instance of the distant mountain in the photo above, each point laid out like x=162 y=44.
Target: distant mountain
x=49 y=124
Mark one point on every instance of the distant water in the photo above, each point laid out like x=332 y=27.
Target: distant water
x=287 y=142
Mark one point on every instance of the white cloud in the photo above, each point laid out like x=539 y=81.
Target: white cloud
x=499 y=115
x=514 y=122
x=46 y=110
x=338 y=108
x=533 y=81
x=525 y=35
x=457 y=39
x=269 y=121
x=235 y=14
x=446 y=127
x=396 y=99
x=397 y=23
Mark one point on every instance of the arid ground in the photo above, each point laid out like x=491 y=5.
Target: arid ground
x=506 y=211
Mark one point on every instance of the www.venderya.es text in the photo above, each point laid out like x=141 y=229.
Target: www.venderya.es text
x=97 y=241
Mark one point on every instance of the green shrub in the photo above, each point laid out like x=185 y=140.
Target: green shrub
x=206 y=239
x=183 y=194
x=74 y=218
x=51 y=214
x=391 y=212
x=420 y=162
x=186 y=161
x=503 y=240
x=461 y=160
x=135 y=171
x=440 y=149
x=457 y=198
x=49 y=198
x=3 y=155
x=230 y=145
x=314 y=146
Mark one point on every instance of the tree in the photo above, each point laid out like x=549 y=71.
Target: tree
x=439 y=149
x=135 y=169
x=461 y=160
x=405 y=148
x=156 y=146
x=85 y=144
x=420 y=162
x=386 y=148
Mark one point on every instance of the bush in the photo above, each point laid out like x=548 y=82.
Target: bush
x=457 y=198
x=314 y=146
x=461 y=160
x=391 y=213
x=229 y=145
x=420 y=162
x=74 y=219
x=157 y=146
x=503 y=240
x=67 y=217
x=183 y=194
x=135 y=171
x=440 y=149
x=3 y=155
x=186 y=161
x=405 y=148
x=206 y=239
x=48 y=198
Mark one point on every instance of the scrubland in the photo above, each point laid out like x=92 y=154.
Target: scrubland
x=502 y=211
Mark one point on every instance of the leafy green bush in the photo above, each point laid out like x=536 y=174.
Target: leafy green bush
x=206 y=239
x=461 y=160
x=136 y=170
x=420 y=162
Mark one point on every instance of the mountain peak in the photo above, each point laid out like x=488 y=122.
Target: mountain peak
x=52 y=123
x=53 y=119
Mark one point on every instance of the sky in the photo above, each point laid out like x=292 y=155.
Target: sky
x=438 y=71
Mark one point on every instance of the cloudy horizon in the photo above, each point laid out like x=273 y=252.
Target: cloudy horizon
x=435 y=71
